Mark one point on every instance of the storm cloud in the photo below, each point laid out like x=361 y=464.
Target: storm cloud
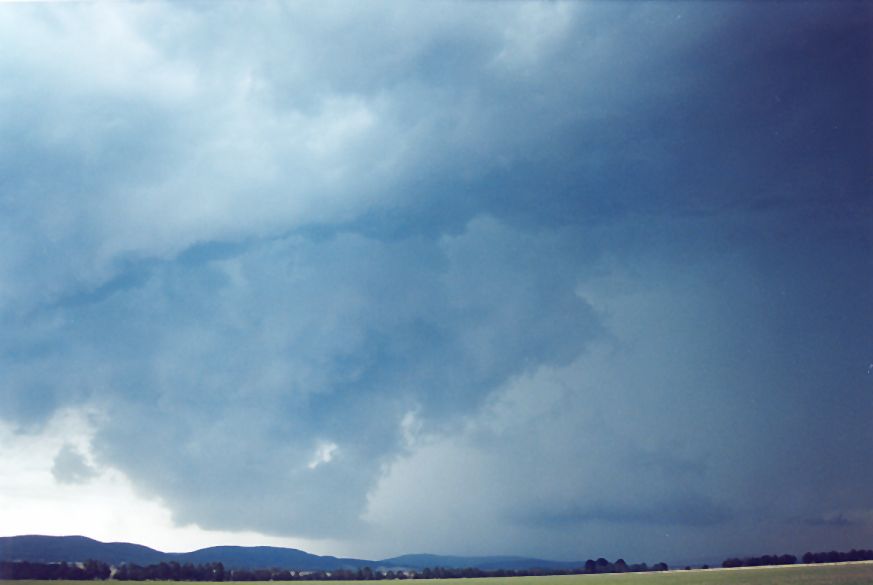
x=563 y=279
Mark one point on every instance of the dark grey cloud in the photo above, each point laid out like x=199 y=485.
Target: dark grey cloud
x=298 y=344
x=596 y=273
x=681 y=510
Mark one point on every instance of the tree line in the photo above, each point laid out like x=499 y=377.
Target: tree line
x=173 y=571
x=808 y=558
x=838 y=557
x=87 y=571
x=762 y=561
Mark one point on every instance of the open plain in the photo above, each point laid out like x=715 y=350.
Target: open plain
x=860 y=573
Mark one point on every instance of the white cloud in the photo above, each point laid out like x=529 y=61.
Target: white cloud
x=411 y=428
x=324 y=453
x=534 y=29
x=108 y=507
x=70 y=466
x=137 y=136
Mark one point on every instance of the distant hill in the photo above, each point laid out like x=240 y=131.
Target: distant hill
x=254 y=557
x=79 y=548
x=48 y=549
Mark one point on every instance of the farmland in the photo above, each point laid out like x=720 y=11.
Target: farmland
x=832 y=574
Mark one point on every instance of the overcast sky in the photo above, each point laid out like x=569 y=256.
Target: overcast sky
x=557 y=279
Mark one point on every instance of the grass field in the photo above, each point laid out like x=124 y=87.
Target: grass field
x=836 y=574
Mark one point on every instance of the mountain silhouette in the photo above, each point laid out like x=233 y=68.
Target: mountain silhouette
x=71 y=549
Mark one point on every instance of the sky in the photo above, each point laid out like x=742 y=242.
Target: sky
x=565 y=280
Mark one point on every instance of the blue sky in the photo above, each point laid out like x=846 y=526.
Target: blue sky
x=557 y=279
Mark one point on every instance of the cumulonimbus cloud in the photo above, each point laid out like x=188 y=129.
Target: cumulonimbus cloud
x=299 y=265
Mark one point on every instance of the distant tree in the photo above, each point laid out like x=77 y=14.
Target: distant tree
x=135 y=572
x=218 y=572
x=96 y=570
x=262 y=574
x=601 y=565
x=121 y=573
x=620 y=566
x=175 y=571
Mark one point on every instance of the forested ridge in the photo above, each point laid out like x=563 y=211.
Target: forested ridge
x=808 y=558
x=173 y=571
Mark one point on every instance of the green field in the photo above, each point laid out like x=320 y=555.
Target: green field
x=836 y=574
